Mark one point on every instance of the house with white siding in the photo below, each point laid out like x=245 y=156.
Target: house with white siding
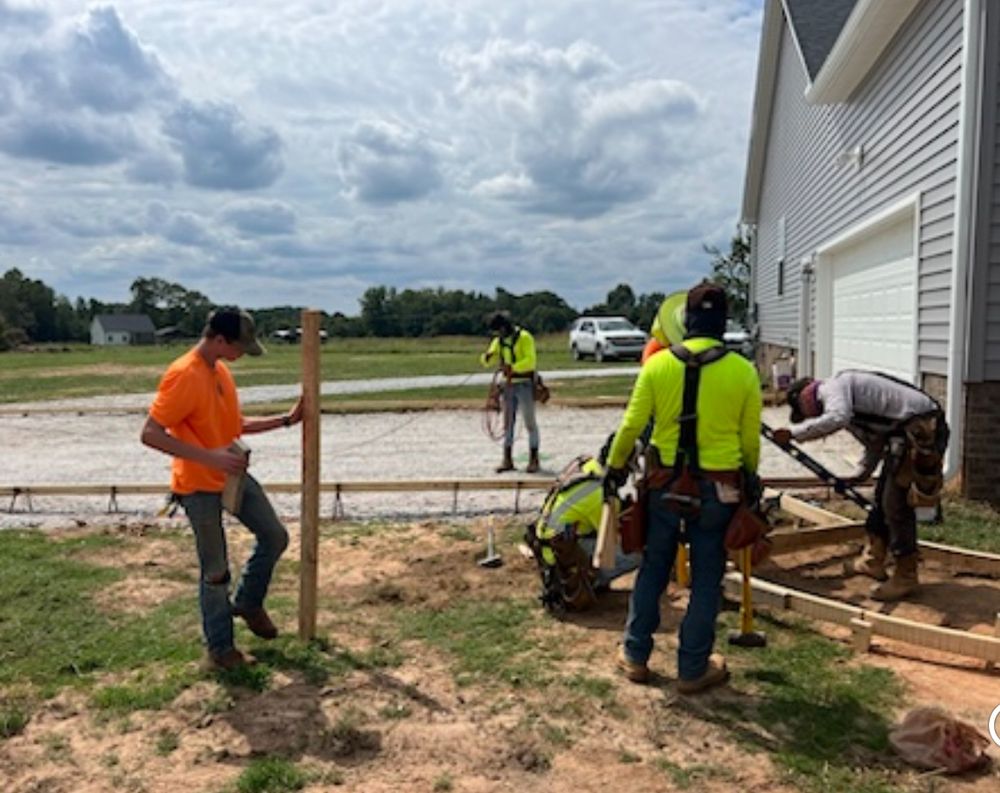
x=108 y=329
x=872 y=198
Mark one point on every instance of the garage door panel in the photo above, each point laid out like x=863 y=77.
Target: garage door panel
x=874 y=303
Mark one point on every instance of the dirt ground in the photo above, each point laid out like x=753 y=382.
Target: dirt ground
x=421 y=723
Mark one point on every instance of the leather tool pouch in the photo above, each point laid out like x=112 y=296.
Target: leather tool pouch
x=541 y=392
x=632 y=523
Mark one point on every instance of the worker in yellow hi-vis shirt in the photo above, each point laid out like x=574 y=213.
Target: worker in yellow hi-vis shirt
x=513 y=348
x=706 y=410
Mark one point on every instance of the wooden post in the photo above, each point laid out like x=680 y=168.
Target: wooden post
x=309 y=519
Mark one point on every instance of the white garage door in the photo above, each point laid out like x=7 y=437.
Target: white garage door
x=874 y=283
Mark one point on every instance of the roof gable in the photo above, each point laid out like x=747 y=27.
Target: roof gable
x=129 y=323
x=816 y=25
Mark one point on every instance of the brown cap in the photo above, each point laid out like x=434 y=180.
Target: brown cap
x=707 y=297
x=706 y=310
x=237 y=326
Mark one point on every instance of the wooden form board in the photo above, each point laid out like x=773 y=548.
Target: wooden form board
x=355 y=486
x=769 y=595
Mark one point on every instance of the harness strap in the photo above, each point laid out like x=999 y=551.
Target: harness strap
x=687 y=443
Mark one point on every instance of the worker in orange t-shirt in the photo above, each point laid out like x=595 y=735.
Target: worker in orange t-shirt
x=195 y=418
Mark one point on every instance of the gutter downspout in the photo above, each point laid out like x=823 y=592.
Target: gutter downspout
x=965 y=189
x=803 y=359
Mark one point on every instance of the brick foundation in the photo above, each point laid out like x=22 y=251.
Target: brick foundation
x=981 y=452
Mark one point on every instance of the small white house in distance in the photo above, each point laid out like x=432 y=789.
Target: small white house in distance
x=107 y=329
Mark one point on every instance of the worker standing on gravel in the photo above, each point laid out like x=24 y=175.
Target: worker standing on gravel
x=903 y=428
x=195 y=417
x=513 y=348
x=706 y=409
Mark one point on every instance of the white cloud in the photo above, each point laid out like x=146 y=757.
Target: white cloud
x=413 y=142
x=383 y=163
x=221 y=149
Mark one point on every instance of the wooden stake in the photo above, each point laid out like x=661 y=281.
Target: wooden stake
x=309 y=554
x=861 y=635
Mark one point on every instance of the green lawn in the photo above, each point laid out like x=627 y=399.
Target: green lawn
x=81 y=370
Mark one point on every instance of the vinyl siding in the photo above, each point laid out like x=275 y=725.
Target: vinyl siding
x=906 y=115
x=985 y=320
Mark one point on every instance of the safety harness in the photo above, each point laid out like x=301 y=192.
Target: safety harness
x=682 y=490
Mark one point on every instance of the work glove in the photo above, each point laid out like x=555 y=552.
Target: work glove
x=783 y=437
x=614 y=480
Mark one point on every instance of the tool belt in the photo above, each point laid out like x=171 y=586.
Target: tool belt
x=567 y=585
x=925 y=439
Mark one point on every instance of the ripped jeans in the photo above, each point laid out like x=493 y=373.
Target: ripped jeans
x=204 y=511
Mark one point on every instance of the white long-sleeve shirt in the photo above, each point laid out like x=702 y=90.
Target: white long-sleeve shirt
x=869 y=406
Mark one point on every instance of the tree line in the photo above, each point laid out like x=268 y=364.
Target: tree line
x=32 y=312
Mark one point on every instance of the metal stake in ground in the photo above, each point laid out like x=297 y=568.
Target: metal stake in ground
x=492 y=558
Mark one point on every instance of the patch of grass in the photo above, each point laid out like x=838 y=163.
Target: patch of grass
x=599 y=688
x=271 y=775
x=488 y=640
x=822 y=717
x=84 y=370
x=967 y=524
x=628 y=758
x=318 y=661
x=167 y=742
x=443 y=783
x=13 y=719
x=684 y=777
x=51 y=632
x=459 y=534
x=396 y=710
x=144 y=694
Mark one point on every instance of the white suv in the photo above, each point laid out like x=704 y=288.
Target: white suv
x=605 y=337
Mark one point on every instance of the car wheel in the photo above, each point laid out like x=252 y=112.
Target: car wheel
x=599 y=353
x=575 y=352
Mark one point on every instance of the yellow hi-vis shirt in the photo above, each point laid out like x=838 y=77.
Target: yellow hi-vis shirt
x=728 y=407
x=520 y=356
x=578 y=506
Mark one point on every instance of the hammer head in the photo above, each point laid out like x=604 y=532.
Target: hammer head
x=492 y=560
x=751 y=639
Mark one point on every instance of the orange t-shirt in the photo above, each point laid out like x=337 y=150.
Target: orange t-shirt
x=198 y=405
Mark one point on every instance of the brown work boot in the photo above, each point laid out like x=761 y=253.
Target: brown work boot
x=904 y=580
x=633 y=671
x=229 y=660
x=257 y=621
x=871 y=562
x=533 y=465
x=508 y=461
x=715 y=674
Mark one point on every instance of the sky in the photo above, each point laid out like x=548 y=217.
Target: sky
x=299 y=152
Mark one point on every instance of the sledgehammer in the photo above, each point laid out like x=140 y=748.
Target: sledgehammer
x=746 y=636
x=492 y=558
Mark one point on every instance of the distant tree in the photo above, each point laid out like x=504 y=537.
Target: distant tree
x=170 y=304
x=645 y=309
x=732 y=272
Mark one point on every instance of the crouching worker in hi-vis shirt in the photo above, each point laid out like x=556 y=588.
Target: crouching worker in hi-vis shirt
x=195 y=418
x=706 y=408
x=563 y=536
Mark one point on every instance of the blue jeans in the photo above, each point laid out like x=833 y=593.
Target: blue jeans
x=705 y=534
x=521 y=396
x=204 y=511
x=624 y=562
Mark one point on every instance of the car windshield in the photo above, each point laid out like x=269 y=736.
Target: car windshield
x=615 y=324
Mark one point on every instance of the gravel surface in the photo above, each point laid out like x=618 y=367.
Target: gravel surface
x=105 y=449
